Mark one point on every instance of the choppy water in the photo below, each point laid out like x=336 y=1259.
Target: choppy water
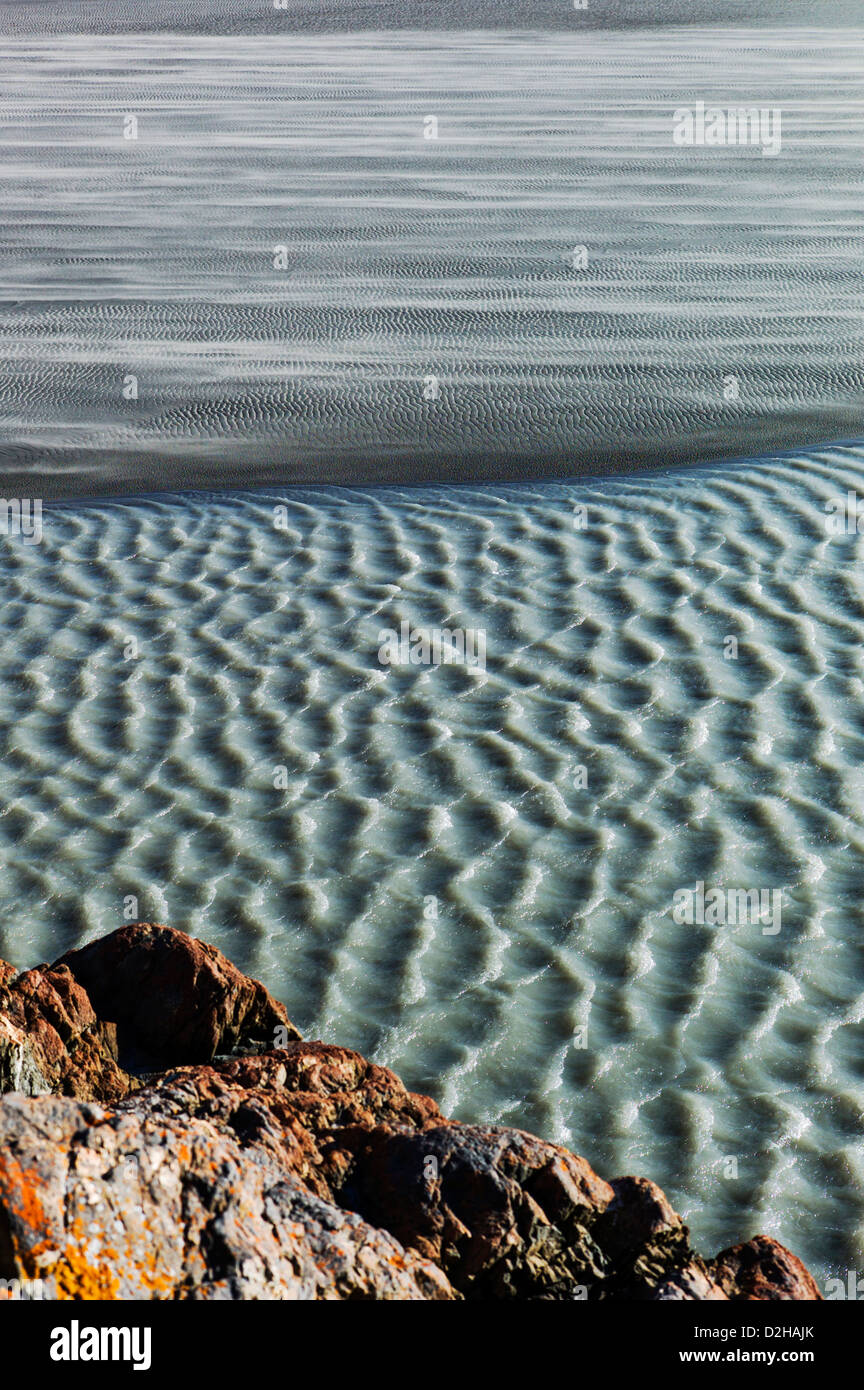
x=410 y=259
x=152 y=774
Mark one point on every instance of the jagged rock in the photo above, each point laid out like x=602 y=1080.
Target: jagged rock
x=51 y=1039
x=762 y=1268
x=690 y=1283
x=172 y=997
x=111 y=1206
x=503 y=1214
x=299 y=1172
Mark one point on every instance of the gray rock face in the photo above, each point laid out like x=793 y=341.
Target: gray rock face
x=114 y=1206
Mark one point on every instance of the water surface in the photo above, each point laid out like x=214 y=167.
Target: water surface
x=149 y=771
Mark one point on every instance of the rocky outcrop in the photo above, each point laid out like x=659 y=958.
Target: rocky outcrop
x=158 y=1145
x=116 y=1205
x=174 y=999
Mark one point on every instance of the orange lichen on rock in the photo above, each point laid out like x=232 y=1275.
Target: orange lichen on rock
x=75 y=1278
x=19 y=1192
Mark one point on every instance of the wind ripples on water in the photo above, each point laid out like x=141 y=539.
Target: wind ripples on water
x=282 y=261
x=149 y=771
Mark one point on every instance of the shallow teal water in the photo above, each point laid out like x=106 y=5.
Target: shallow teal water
x=414 y=791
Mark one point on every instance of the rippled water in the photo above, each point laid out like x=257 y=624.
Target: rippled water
x=407 y=259
x=467 y=874
x=150 y=772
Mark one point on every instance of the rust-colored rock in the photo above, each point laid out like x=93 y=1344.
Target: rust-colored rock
x=51 y=1040
x=240 y=1170
x=762 y=1268
x=172 y=997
